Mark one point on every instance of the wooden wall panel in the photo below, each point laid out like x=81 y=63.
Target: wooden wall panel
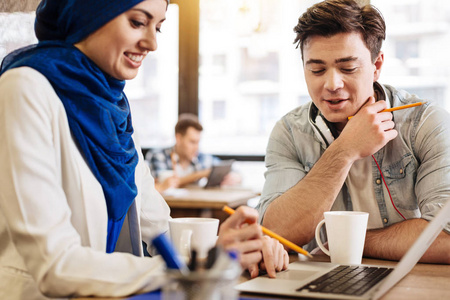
x=18 y=5
x=189 y=55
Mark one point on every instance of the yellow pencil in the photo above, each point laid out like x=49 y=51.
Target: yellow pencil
x=398 y=107
x=272 y=234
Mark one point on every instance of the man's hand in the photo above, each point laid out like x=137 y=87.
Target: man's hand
x=231 y=179
x=169 y=182
x=193 y=177
x=368 y=131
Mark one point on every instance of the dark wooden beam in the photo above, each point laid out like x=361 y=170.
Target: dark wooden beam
x=189 y=24
x=18 y=5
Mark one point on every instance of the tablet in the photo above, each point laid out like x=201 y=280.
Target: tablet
x=218 y=172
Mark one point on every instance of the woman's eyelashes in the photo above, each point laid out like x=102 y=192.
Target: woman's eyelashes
x=140 y=24
x=137 y=23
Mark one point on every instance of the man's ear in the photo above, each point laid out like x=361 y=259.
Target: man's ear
x=178 y=137
x=378 y=64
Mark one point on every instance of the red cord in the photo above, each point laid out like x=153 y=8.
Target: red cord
x=389 y=192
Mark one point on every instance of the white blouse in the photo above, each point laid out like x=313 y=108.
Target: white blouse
x=53 y=216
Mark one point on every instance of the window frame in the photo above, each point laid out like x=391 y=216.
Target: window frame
x=189 y=26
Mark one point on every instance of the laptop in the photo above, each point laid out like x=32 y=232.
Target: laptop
x=309 y=279
x=218 y=172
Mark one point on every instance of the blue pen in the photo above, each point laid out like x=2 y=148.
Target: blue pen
x=169 y=254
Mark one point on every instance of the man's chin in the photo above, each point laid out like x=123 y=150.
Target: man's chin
x=334 y=118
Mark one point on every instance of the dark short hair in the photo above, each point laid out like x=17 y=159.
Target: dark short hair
x=185 y=121
x=331 y=17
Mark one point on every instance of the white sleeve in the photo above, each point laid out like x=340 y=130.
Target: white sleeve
x=34 y=203
x=154 y=211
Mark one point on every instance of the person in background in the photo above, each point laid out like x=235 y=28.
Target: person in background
x=396 y=166
x=76 y=197
x=182 y=164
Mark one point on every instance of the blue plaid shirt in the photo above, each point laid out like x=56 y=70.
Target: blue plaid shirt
x=159 y=160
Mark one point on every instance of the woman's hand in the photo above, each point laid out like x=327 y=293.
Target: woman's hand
x=241 y=233
x=275 y=258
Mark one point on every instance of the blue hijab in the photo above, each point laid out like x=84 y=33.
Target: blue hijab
x=97 y=108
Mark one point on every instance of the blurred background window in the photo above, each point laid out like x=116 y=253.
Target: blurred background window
x=16 y=31
x=153 y=94
x=250 y=73
x=249 y=69
x=249 y=65
x=417 y=47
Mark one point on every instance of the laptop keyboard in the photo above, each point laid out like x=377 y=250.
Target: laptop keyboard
x=347 y=280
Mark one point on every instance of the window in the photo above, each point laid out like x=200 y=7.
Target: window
x=249 y=61
x=153 y=94
x=260 y=75
x=17 y=31
x=250 y=72
x=416 y=48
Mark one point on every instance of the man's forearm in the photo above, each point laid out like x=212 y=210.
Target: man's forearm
x=394 y=241
x=295 y=214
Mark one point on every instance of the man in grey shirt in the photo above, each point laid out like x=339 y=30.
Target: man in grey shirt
x=396 y=166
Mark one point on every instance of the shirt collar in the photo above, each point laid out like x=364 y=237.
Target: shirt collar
x=327 y=132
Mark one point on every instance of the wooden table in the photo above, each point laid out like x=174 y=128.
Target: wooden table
x=425 y=281
x=200 y=202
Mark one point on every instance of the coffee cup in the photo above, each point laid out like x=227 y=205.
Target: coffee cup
x=346 y=232
x=199 y=234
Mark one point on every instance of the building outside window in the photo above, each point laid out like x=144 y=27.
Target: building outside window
x=250 y=72
x=153 y=94
x=417 y=46
x=260 y=77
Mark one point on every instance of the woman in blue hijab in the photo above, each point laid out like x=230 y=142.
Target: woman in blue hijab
x=76 y=197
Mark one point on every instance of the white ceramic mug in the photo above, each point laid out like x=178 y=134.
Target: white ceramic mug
x=346 y=232
x=198 y=234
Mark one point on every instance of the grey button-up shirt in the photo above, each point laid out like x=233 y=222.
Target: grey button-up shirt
x=416 y=164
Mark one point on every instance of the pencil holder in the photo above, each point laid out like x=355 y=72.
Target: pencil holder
x=204 y=284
